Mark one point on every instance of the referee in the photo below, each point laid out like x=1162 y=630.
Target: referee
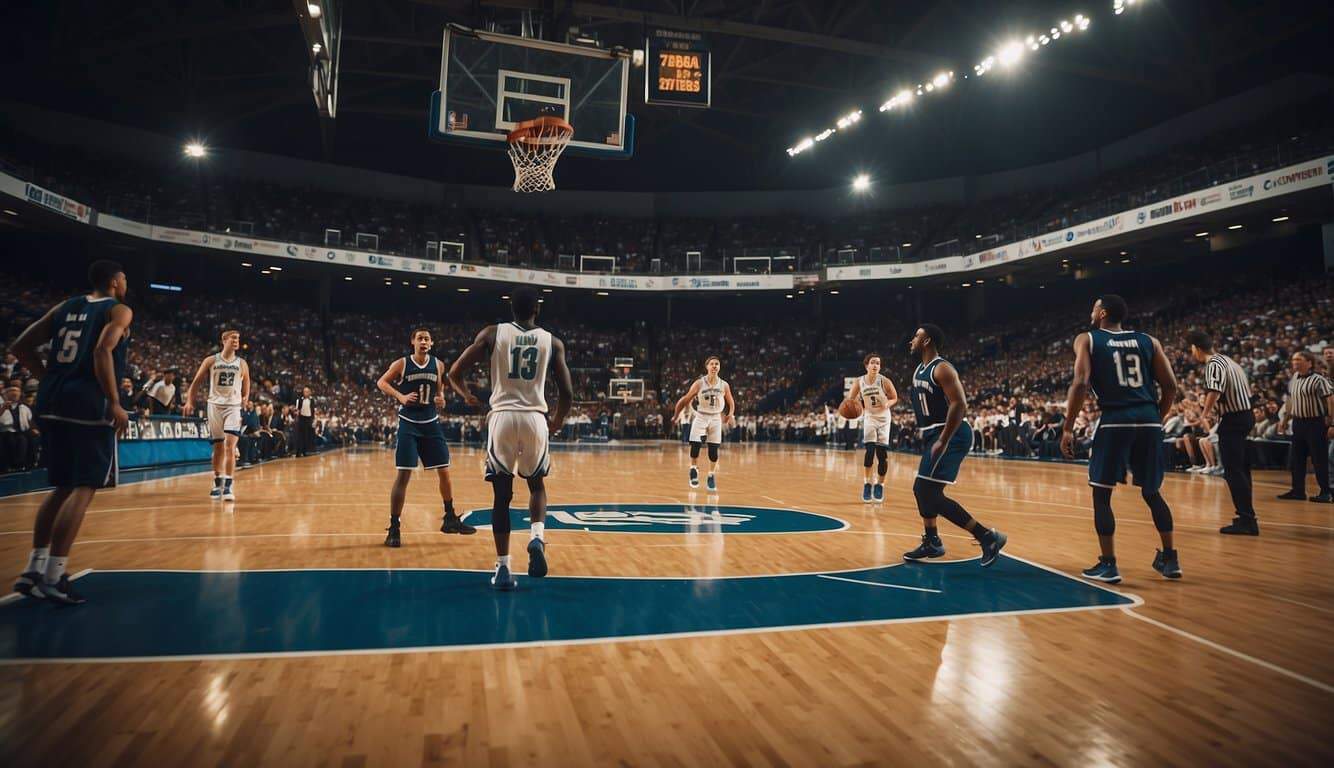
x=1309 y=405
x=1226 y=386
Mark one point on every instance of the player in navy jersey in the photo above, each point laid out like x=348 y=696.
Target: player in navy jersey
x=81 y=418
x=1121 y=368
x=939 y=403
x=417 y=382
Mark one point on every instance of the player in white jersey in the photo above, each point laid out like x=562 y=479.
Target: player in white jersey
x=228 y=387
x=517 y=428
x=877 y=396
x=710 y=393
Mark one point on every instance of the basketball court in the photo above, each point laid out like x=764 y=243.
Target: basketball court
x=773 y=622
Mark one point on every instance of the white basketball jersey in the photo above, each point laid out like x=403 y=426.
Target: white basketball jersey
x=710 y=401
x=224 y=381
x=519 y=368
x=874 y=397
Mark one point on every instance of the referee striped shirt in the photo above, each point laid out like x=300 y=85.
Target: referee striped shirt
x=1306 y=396
x=1224 y=376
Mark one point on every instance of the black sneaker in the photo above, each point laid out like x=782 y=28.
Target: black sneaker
x=1166 y=564
x=393 y=539
x=27 y=583
x=992 y=546
x=1323 y=498
x=1292 y=496
x=455 y=524
x=61 y=592
x=537 y=558
x=929 y=548
x=1104 y=571
x=1241 y=526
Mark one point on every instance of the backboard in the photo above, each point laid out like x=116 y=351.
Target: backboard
x=490 y=82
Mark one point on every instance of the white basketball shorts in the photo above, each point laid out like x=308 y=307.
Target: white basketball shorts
x=516 y=444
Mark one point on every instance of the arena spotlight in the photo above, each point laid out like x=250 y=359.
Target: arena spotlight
x=276 y=269
x=1235 y=226
x=1275 y=220
x=861 y=183
x=314 y=10
x=316 y=48
x=1201 y=234
x=1011 y=53
x=348 y=278
x=464 y=290
x=195 y=149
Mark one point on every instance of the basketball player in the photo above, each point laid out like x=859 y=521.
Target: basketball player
x=81 y=418
x=517 y=428
x=709 y=393
x=420 y=436
x=939 y=403
x=228 y=387
x=877 y=395
x=1121 y=367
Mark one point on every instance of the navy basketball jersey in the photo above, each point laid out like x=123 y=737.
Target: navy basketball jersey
x=69 y=391
x=1123 y=371
x=425 y=381
x=929 y=403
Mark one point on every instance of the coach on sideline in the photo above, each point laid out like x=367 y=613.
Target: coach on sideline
x=1309 y=406
x=1226 y=386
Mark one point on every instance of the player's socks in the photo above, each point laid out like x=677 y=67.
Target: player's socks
x=694 y=477
x=216 y=493
x=394 y=539
x=866 y=493
x=878 y=492
x=537 y=557
x=538 y=530
x=55 y=568
x=37 y=560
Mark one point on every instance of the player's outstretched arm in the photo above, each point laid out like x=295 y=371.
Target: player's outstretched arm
x=385 y=384
x=25 y=346
x=1079 y=390
x=1167 y=381
x=948 y=379
x=564 y=385
x=104 y=365
x=472 y=355
x=188 y=406
x=685 y=399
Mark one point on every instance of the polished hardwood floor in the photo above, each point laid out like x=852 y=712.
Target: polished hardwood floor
x=1230 y=666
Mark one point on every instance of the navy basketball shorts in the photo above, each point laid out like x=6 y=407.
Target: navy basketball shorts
x=80 y=455
x=945 y=468
x=422 y=443
x=1117 y=448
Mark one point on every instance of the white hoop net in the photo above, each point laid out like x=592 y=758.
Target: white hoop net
x=534 y=148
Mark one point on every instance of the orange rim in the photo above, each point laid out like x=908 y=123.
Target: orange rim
x=541 y=130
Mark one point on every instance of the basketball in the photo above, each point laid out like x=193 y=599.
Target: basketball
x=850 y=409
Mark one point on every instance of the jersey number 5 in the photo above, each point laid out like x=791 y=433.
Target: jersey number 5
x=1128 y=371
x=526 y=370
x=69 y=345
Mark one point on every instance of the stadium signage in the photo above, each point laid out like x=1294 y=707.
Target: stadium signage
x=166 y=429
x=58 y=203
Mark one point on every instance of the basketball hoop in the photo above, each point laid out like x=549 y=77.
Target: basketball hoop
x=535 y=146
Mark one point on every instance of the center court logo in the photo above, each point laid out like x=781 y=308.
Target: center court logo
x=670 y=518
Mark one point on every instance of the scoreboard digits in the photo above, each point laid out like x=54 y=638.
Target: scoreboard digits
x=678 y=69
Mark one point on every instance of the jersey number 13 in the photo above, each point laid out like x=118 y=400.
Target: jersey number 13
x=1128 y=370
x=527 y=369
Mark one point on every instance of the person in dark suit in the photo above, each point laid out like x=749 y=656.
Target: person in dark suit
x=305 y=423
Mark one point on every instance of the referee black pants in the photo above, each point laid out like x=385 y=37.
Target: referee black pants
x=1232 y=431
x=1309 y=441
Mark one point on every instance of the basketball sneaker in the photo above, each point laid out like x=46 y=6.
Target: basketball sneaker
x=393 y=539
x=27 y=584
x=1104 y=571
x=1165 y=562
x=61 y=592
x=537 y=558
x=455 y=524
x=216 y=493
x=227 y=493
x=878 y=492
x=1241 y=526
x=694 y=477
x=1292 y=496
x=931 y=547
x=992 y=544
x=866 y=493
x=711 y=483
x=503 y=580
x=1324 y=498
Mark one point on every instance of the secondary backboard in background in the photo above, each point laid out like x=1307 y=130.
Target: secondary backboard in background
x=489 y=82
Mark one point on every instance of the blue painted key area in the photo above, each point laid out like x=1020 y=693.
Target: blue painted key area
x=145 y=614
x=669 y=518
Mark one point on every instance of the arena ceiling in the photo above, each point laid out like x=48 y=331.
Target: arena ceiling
x=236 y=72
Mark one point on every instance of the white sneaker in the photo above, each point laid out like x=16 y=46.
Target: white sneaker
x=1216 y=471
x=1195 y=470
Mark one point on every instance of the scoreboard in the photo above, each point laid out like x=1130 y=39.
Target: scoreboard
x=677 y=69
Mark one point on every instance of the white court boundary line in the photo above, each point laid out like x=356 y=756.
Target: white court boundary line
x=878 y=584
x=587 y=641
x=1272 y=667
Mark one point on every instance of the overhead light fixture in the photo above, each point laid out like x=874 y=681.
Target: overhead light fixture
x=789 y=295
x=833 y=292
x=264 y=272
x=603 y=293
x=1201 y=234
x=195 y=149
x=313 y=10
x=546 y=290
x=316 y=48
x=276 y=269
x=464 y=290
x=861 y=183
x=966 y=285
x=1275 y=220
x=11 y=213
x=907 y=245
x=246 y=264
x=1011 y=53
x=1235 y=226
x=421 y=285
x=505 y=296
